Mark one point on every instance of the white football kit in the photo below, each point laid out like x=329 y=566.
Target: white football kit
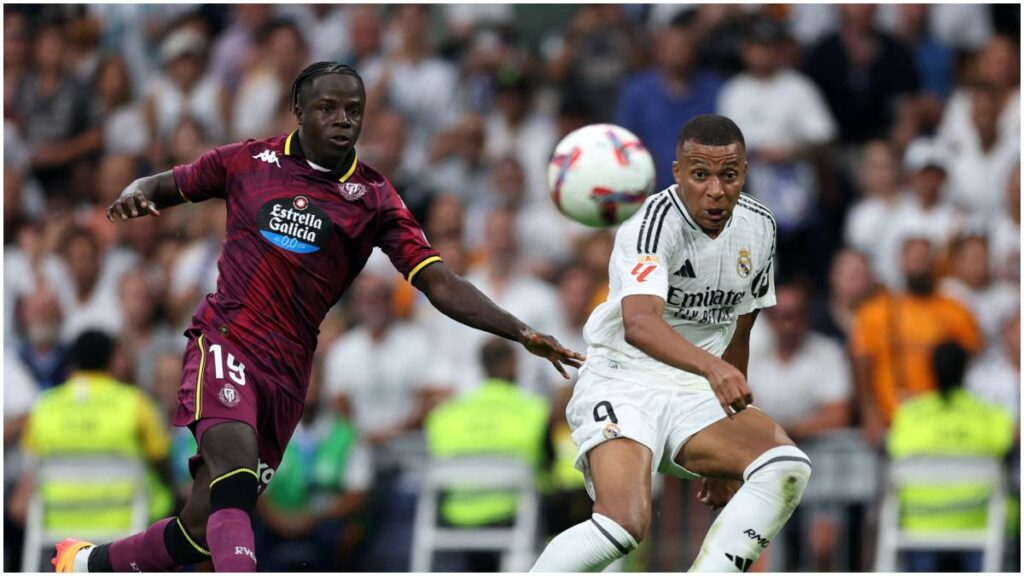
x=706 y=284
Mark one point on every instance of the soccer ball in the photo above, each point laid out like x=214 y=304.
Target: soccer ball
x=599 y=175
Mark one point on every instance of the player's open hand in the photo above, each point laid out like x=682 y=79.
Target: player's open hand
x=547 y=347
x=131 y=204
x=730 y=387
x=716 y=492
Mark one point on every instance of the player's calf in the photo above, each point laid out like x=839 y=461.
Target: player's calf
x=773 y=485
x=230 y=453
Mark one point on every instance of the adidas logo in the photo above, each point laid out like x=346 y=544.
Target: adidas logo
x=742 y=563
x=268 y=156
x=686 y=271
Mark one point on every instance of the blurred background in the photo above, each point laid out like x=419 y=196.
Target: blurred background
x=884 y=138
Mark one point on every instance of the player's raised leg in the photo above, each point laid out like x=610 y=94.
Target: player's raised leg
x=753 y=449
x=621 y=472
x=165 y=546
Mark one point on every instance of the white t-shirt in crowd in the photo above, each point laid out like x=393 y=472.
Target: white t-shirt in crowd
x=381 y=379
x=991 y=306
x=531 y=143
x=995 y=379
x=939 y=224
x=819 y=374
x=867 y=227
x=706 y=283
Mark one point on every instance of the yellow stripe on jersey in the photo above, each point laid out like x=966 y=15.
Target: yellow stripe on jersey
x=188 y=537
x=421 y=266
x=232 y=473
x=199 y=377
x=288 y=144
x=351 y=169
x=182 y=194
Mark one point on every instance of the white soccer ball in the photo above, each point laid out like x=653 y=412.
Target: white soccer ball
x=600 y=174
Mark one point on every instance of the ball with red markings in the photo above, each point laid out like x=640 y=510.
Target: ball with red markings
x=600 y=174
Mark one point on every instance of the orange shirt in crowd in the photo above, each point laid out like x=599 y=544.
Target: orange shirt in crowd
x=898 y=332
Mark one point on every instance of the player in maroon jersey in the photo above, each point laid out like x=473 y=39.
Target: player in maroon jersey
x=304 y=215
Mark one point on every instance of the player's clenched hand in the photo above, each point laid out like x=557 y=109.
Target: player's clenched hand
x=547 y=347
x=729 y=386
x=716 y=492
x=131 y=204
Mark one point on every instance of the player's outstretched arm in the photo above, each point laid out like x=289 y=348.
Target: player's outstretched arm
x=646 y=329
x=146 y=196
x=462 y=302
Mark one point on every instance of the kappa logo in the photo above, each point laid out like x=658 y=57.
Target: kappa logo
x=268 y=156
x=351 y=190
x=686 y=270
x=742 y=563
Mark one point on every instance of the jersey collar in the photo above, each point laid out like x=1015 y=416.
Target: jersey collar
x=678 y=203
x=293 y=147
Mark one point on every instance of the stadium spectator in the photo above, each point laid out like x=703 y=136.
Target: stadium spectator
x=866 y=227
x=92 y=413
x=502 y=276
x=87 y=284
x=894 y=335
x=142 y=336
x=867 y=77
x=185 y=88
x=995 y=376
x=20 y=393
x=1004 y=233
x=235 y=48
x=982 y=161
x=458 y=164
x=949 y=421
x=933 y=59
x=365 y=33
x=413 y=81
x=318 y=489
x=785 y=123
x=52 y=109
x=123 y=120
x=517 y=128
x=17 y=62
x=195 y=270
x=263 y=92
x=850 y=284
x=992 y=302
x=322 y=24
x=41 y=349
x=654 y=104
x=496 y=418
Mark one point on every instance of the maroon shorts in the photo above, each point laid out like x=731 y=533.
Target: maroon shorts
x=219 y=383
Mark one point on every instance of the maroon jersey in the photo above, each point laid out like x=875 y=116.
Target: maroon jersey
x=296 y=239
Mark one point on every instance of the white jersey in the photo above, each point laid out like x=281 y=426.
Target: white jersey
x=706 y=283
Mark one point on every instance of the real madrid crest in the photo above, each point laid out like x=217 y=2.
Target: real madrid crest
x=743 y=263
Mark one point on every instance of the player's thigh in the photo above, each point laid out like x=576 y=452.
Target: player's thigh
x=229 y=445
x=726 y=448
x=621 y=472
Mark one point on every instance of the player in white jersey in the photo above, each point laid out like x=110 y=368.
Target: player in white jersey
x=663 y=388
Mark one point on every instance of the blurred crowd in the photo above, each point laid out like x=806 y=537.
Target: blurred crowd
x=885 y=140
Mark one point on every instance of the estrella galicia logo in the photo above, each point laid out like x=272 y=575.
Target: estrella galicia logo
x=294 y=224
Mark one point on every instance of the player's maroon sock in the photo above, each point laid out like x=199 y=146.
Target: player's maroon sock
x=229 y=532
x=142 y=552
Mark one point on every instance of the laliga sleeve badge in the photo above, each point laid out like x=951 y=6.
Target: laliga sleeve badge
x=744 y=264
x=228 y=396
x=611 y=431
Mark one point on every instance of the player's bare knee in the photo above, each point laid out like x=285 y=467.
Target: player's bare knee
x=634 y=517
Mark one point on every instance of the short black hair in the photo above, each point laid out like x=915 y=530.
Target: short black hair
x=711 y=130
x=494 y=355
x=314 y=71
x=949 y=362
x=92 y=350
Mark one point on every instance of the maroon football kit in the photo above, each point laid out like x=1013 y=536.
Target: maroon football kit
x=296 y=238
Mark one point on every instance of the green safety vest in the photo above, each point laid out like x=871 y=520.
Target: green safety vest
x=962 y=426
x=304 y=471
x=495 y=419
x=94 y=414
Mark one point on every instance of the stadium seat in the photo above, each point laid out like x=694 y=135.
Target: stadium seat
x=516 y=542
x=73 y=495
x=939 y=470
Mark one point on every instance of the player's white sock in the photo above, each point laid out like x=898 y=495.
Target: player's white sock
x=773 y=485
x=586 y=547
x=81 y=562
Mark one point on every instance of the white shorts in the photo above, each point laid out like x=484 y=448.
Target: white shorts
x=660 y=415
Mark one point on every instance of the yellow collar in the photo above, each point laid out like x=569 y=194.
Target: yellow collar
x=296 y=151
